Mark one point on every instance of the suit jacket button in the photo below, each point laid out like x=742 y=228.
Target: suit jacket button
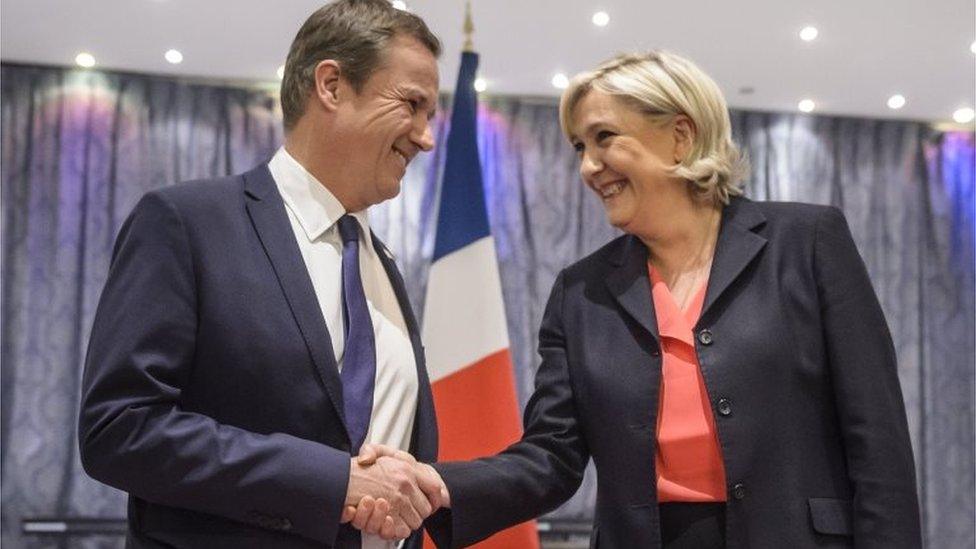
x=285 y=524
x=724 y=407
x=705 y=337
x=739 y=491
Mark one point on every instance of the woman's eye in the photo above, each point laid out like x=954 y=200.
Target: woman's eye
x=603 y=134
x=578 y=147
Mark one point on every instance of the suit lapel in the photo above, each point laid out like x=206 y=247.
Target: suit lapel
x=630 y=284
x=423 y=442
x=737 y=246
x=267 y=212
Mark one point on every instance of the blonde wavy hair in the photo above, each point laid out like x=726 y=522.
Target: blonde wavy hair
x=662 y=85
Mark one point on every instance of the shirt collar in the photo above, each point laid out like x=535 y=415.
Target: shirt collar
x=313 y=204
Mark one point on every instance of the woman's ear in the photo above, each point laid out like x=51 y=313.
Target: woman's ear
x=684 y=137
x=327 y=77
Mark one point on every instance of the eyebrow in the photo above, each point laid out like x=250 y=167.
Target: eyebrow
x=589 y=129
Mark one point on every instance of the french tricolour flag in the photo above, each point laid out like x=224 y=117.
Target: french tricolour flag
x=464 y=317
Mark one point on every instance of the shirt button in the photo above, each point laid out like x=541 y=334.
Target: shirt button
x=724 y=407
x=739 y=491
x=705 y=337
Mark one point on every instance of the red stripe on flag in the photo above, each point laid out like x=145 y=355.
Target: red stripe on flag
x=477 y=416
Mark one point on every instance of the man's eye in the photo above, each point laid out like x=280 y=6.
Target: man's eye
x=604 y=134
x=414 y=105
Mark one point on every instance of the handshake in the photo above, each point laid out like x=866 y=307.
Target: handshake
x=390 y=493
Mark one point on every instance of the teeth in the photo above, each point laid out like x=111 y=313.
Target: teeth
x=611 y=190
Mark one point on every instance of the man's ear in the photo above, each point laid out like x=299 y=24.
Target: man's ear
x=327 y=77
x=684 y=137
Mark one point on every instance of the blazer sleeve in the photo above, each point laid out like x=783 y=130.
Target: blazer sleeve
x=134 y=436
x=867 y=391
x=534 y=475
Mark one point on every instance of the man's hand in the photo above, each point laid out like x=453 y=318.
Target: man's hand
x=392 y=496
x=374 y=515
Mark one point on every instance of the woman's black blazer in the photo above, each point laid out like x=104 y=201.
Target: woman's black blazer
x=800 y=371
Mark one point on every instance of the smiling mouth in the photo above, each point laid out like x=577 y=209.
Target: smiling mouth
x=610 y=190
x=403 y=157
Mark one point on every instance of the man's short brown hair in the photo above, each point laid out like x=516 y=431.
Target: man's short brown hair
x=353 y=33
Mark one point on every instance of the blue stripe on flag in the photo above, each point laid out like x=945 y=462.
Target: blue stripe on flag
x=462 y=217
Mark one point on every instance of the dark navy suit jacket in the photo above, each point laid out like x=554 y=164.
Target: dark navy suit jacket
x=799 y=367
x=211 y=394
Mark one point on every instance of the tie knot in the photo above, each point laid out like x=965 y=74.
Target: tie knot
x=348 y=230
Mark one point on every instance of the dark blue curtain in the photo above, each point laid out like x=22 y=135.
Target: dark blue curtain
x=79 y=148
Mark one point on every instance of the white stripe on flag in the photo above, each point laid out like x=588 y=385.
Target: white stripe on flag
x=464 y=317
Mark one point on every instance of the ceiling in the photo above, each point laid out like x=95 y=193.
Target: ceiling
x=867 y=50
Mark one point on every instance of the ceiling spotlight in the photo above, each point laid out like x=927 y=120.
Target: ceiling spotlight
x=85 y=59
x=560 y=81
x=809 y=34
x=964 y=115
x=807 y=105
x=174 y=57
x=896 y=101
x=281 y=72
x=399 y=4
x=480 y=85
x=601 y=18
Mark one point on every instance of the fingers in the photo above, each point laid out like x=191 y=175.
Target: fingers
x=363 y=512
x=348 y=513
x=380 y=513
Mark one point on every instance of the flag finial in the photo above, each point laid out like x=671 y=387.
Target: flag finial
x=468 y=28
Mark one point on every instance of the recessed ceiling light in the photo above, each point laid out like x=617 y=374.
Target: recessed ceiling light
x=85 y=59
x=399 y=4
x=601 y=18
x=560 y=81
x=281 y=72
x=807 y=105
x=972 y=47
x=896 y=101
x=964 y=115
x=809 y=34
x=480 y=85
x=174 y=56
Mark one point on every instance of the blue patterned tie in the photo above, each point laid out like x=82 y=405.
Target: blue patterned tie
x=359 y=359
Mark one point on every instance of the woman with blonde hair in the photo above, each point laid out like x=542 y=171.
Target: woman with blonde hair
x=725 y=363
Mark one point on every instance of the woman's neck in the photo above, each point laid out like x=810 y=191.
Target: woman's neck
x=681 y=238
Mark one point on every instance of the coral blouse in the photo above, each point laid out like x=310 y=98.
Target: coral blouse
x=688 y=458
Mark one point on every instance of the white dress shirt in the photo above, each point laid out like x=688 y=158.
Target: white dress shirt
x=314 y=212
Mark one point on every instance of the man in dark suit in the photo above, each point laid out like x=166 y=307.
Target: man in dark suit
x=253 y=333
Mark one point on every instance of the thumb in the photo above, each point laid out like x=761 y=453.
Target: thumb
x=367 y=455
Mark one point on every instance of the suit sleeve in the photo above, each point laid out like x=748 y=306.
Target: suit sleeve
x=534 y=475
x=134 y=436
x=868 y=395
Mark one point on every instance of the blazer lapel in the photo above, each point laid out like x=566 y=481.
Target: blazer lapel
x=267 y=212
x=737 y=246
x=423 y=442
x=630 y=284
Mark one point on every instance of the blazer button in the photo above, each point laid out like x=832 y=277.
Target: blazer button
x=285 y=524
x=705 y=337
x=724 y=407
x=739 y=491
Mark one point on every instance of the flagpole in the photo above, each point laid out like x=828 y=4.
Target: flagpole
x=468 y=29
